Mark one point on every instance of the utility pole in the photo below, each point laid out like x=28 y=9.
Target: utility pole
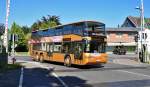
x=142 y=38
x=6 y=25
x=13 y=45
x=143 y=44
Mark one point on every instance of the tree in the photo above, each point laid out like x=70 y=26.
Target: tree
x=26 y=29
x=44 y=19
x=54 y=18
x=2 y=29
x=35 y=26
x=46 y=22
x=16 y=29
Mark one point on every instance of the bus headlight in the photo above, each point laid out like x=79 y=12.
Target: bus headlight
x=87 y=55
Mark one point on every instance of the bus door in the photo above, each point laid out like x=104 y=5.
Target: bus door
x=66 y=49
x=78 y=51
x=50 y=51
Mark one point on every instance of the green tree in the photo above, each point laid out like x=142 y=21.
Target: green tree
x=46 y=22
x=26 y=29
x=2 y=29
x=35 y=26
x=17 y=30
x=55 y=19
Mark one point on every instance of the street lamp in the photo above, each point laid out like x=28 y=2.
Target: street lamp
x=141 y=9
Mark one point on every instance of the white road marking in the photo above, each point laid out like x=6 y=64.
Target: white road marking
x=54 y=74
x=21 y=77
x=139 y=74
x=62 y=82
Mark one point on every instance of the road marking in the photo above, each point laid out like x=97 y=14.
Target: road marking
x=62 y=82
x=54 y=74
x=21 y=77
x=139 y=74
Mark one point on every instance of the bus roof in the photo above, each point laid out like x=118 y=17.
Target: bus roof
x=90 y=21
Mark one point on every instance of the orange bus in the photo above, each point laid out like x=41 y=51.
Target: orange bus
x=79 y=43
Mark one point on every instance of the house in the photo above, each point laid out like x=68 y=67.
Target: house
x=121 y=36
x=125 y=35
x=135 y=22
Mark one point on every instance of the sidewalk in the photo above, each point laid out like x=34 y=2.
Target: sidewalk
x=126 y=53
x=129 y=62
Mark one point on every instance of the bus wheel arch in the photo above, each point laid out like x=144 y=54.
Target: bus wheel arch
x=67 y=61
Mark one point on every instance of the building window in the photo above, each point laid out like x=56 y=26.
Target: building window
x=119 y=35
x=131 y=34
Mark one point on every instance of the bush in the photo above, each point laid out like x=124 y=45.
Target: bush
x=21 y=48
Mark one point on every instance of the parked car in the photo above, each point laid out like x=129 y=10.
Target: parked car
x=119 y=50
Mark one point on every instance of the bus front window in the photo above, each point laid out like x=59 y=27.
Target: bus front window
x=95 y=47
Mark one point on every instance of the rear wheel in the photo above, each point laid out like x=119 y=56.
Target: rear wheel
x=41 y=59
x=67 y=61
x=37 y=58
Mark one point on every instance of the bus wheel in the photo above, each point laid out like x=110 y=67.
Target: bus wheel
x=67 y=61
x=37 y=58
x=41 y=59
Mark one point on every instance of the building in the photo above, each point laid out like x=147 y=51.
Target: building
x=126 y=34
x=121 y=36
x=135 y=22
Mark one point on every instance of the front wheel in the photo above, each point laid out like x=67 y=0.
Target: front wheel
x=67 y=61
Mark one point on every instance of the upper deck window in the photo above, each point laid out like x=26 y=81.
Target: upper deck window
x=79 y=28
x=94 y=28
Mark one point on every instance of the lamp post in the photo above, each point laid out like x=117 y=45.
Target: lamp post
x=141 y=51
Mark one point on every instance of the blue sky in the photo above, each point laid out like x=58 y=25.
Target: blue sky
x=110 y=12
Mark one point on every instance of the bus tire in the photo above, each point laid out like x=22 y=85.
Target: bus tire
x=33 y=59
x=37 y=58
x=67 y=61
x=41 y=58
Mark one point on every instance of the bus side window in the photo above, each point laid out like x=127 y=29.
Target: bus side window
x=57 y=47
x=47 y=48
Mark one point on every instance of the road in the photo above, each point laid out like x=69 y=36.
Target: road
x=50 y=74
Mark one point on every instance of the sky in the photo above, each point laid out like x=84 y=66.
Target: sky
x=110 y=12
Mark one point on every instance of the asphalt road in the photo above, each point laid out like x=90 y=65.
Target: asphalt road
x=50 y=74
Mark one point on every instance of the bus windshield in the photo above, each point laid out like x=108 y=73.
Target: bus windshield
x=94 y=47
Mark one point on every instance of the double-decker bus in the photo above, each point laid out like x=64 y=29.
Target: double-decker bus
x=80 y=43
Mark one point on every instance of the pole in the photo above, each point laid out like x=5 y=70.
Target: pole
x=13 y=45
x=142 y=31
x=6 y=25
x=141 y=55
x=13 y=49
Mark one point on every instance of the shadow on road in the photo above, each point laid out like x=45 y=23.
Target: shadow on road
x=10 y=78
x=129 y=83
x=77 y=66
x=39 y=77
